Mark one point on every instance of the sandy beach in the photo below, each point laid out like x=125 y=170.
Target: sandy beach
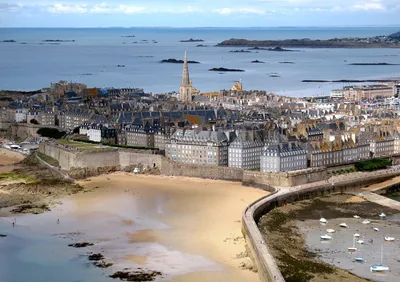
x=189 y=229
x=8 y=159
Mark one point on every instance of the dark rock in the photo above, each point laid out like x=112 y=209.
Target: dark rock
x=103 y=264
x=285 y=62
x=257 y=62
x=3 y=235
x=138 y=275
x=80 y=245
x=395 y=35
x=128 y=36
x=201 y=45
x=373 y=64
x=226 y=70
x=121 y=66
x=57 y=40
x=9 y=41
x=192 y=40
x=240 y=51
x=96 y=257
x=175 y=61
x=31 y=208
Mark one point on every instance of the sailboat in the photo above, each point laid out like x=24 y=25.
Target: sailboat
x=389 y=239
x=326 y=237
x=352 y=249
x=379 y=267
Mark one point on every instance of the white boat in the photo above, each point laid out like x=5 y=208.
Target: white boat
x=379 y=267
x=360 y=241
x=356 y=235
x=382 y=215
x=389 y=239
x=323 y=220
x=359 y=260
x=356 y=216
x=352 y=249
x=366 y=221
x=344 y=225
x=326 y=237
x=376 y=228
x=330 y=230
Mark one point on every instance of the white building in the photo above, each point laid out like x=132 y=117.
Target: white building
x=337 y=93
x=20 y=114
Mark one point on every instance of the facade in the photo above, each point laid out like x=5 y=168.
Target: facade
x=74 y=118
x=101 y=133
x=139 y=136
x=337 y=93
x=245 y=150
x=283 y=157
x=382 y=147
x=198 y=147
x=368 y=92
x=43 y=118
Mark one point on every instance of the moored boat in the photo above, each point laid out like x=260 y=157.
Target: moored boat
x=376 y=229
x=366 y=221
x=344 y=225
x=389 y=239
x=326 y=237
x=330 y=230
x=323 y=220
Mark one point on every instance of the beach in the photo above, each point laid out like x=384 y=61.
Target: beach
x=188 y=229
x=9 y=159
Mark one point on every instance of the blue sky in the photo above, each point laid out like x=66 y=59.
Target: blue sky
x=198 y=13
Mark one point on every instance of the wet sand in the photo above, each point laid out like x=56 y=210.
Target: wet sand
x=189 y=229
x=8 y=157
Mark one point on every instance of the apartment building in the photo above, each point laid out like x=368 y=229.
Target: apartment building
x=283 y=157
x=245 y=150
x=194 y=146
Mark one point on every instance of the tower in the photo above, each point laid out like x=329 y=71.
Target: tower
x=186 y=89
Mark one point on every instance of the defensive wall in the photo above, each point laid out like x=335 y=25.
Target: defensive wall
x=120 y=159
x=259 y=251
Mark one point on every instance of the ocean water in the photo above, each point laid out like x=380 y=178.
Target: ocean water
x=94 y=56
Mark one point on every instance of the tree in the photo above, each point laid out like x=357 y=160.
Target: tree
x=33 y=121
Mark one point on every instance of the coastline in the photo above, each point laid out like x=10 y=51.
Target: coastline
x=176 y=219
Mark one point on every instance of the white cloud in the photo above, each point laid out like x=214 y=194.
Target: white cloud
x=59 y=8
x=377 y=6
x=230 y=11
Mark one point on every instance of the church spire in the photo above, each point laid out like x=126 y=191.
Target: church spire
x=185 y=73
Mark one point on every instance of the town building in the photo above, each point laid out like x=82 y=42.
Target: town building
x=140 y=136
x=102 y=133
x=186 y=90
x=283 y=157
x=195 y=146
x=368 y=92
x=73 y=118
x=245 y=150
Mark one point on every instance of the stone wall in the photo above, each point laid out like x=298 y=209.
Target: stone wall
x=268 y=270
x=65 y=158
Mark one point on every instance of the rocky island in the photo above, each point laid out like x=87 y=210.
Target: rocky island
x=175 y=61
x=128 y=36
x=276 y=49
x=383 y=41
x=372 y=64
x=201 y=45
x=8 y=41
x=192 y=40
x=257 y=62
x=240 y=51
x=57 y=40
x=226 y=70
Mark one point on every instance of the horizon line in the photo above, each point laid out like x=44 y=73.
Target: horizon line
x=193 y=27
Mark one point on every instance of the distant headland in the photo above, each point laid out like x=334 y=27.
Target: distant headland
x=390 y=41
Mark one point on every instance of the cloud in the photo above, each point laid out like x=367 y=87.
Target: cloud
x=230 y=11
x=377 y=6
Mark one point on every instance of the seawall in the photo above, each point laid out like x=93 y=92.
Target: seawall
x=260 y=253
x=88 y=163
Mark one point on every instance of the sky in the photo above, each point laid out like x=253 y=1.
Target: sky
x=198 y=13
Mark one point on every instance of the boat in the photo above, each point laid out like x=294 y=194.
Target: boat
x=360 y=241
x=389 y=239
x=356 y=235
x=382 y=215
x=376 y=228
x=356 y=216
x=352 y=249
x=330 y=230
x=366 y=221
x=379 y=267
x=326 y=237
x=323 y=220
x=359 y=260
x=344 y=225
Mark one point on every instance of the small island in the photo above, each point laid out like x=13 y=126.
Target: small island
x=175 y=61
x=57 y=40
x=381 y=41
x=372 y=64
x=240 y=51
x=120 y=66
x=192 y=40
x=257 y=62
x=128 y=36
x=9 y=41
x=201 y=45
x=274 y=75
x=286 y=62
x=276 y=49
x=226 y=70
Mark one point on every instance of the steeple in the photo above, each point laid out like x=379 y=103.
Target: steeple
x=185 y=73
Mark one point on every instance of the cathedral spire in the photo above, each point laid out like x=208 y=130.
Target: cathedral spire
x=185 y=73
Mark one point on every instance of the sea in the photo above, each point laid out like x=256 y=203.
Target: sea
x=31 y=63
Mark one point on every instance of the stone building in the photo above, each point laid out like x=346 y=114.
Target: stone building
x=73 y=118
x=245 y=150
x=102 y=133
x=42 y=117
x=283 y=157
x=194 y=146
x=140 y=136
x=186 y=90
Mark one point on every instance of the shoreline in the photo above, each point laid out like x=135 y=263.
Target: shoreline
x=177 y=219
